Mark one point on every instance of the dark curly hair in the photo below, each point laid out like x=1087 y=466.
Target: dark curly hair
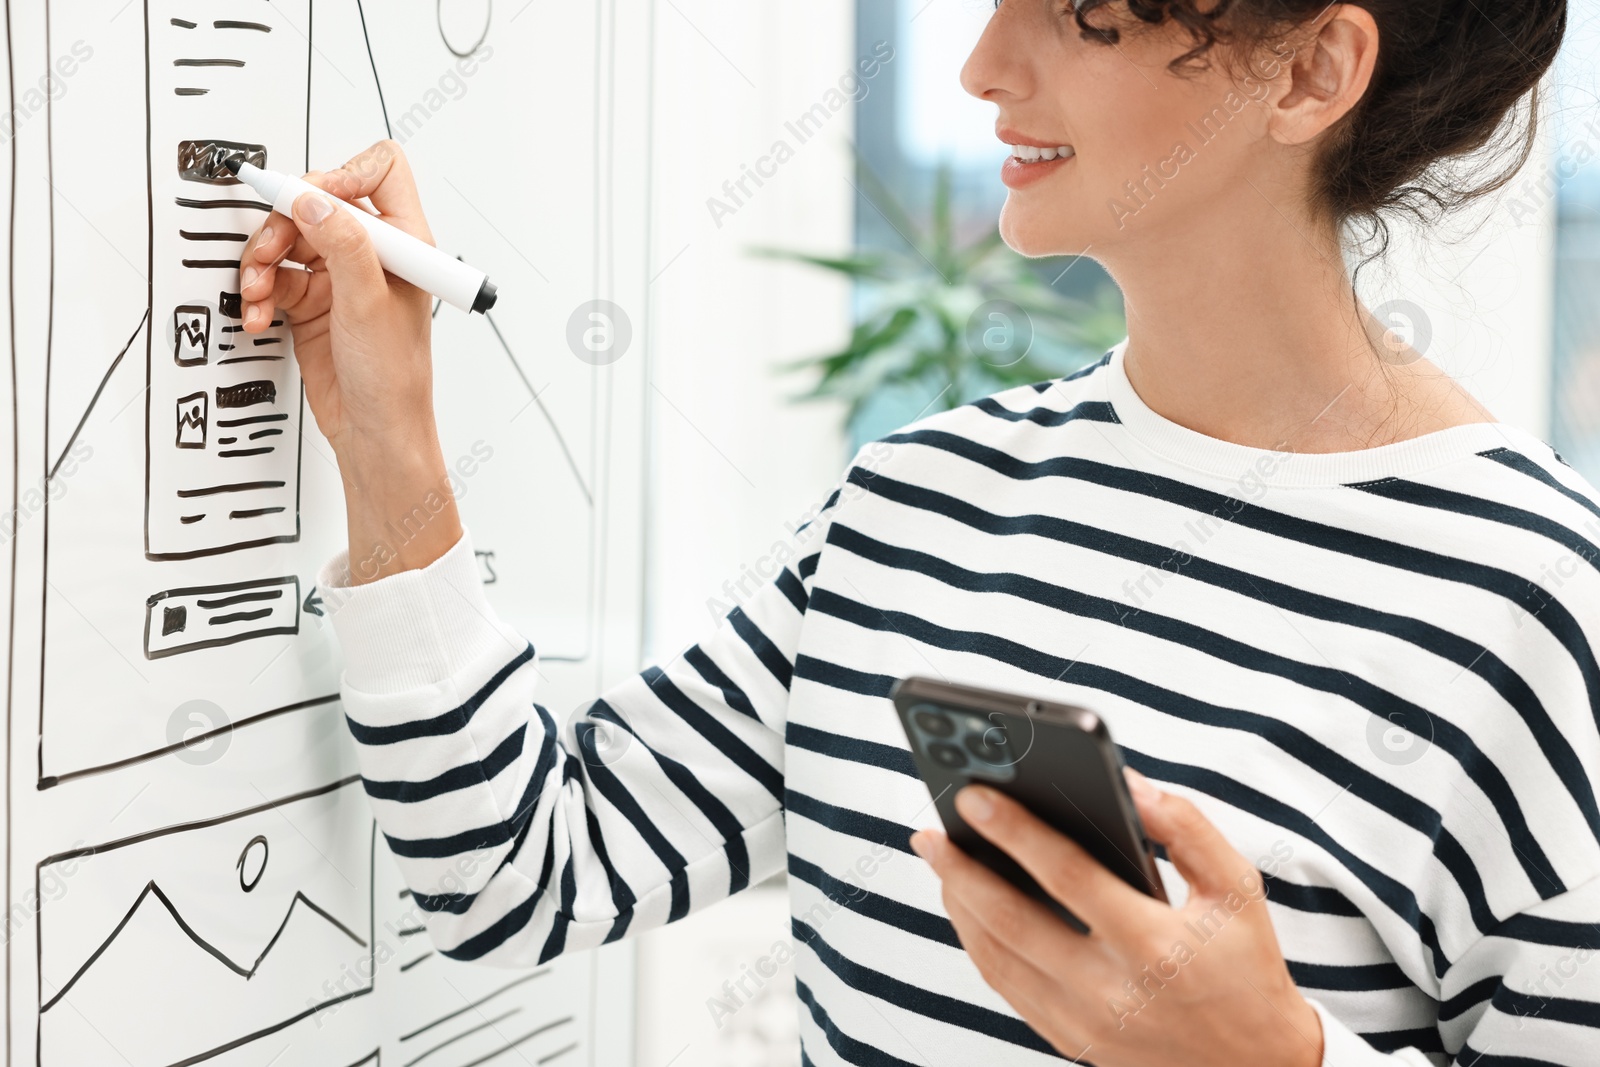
x=1452 y=77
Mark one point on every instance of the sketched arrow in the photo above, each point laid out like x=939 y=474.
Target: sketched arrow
x=313 y=604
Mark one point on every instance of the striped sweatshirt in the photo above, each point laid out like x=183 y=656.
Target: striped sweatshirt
x=1375 y=671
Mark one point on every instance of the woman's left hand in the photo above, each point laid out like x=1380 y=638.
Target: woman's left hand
x=1201 y=985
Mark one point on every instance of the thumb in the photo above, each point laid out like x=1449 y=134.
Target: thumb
x=1204 y=858
x=344 y=245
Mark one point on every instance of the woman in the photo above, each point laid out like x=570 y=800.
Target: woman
x=1259 y=538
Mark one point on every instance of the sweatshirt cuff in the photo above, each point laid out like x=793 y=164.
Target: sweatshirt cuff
x=1343 y=1047
x=417 y=628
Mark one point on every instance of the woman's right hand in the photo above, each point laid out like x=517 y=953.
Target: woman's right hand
x=362 y=339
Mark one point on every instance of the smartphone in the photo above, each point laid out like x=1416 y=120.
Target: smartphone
x=1056 y=760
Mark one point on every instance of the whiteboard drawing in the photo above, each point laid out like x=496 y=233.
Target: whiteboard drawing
x=460 y=1014
x=172 y=666
x=230 y=480
x=178 y=945
x=225 y=465
x=219 y=456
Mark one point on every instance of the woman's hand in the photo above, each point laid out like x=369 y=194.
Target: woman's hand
x=362 y=338
x=1201 y=985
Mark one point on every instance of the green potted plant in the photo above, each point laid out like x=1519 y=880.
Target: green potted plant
x=946 y=322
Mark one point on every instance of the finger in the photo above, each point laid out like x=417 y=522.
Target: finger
x=301 y=294
x=1195 y=846
x=261 y=291
x=278 y=240
x=1041 y=1001
x=1059 y=864
x=382 y=174
x=1009 y=915
x=269 y=243
x=356 y=276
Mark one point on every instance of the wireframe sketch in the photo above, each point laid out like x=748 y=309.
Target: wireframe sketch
x=459 y=1014
x=204 y=474
x=236 y=482
x=180 y=535
x=167 y=605
x=175 y=946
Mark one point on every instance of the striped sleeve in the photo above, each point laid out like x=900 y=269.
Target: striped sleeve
x=524 y=831
x=1527 y=994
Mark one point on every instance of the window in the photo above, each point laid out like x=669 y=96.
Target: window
x=916 y=122
x=1573 y=177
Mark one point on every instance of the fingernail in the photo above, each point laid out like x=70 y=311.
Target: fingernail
x=249 y=277
x=925 y=844
x=253 y=314
x=266 y=236
x=975 y=804
x=312 y=209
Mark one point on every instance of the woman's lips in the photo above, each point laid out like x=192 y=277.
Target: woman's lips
x=1019 y=175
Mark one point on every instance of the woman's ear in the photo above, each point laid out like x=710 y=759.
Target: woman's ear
x=1326 y=74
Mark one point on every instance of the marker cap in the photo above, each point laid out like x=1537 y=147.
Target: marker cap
x=487 y=295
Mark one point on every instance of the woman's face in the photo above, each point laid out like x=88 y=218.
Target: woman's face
x=1148 y=151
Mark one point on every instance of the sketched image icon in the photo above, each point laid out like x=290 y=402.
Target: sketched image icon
x=178 y=945
x=192 y=411
x=191 y=334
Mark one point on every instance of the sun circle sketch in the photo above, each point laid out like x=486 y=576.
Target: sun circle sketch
x=251 y=869
x=200 y=731
x=462 y=16
x=599 y=332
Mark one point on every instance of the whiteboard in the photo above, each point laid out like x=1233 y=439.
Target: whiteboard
x=193 y=872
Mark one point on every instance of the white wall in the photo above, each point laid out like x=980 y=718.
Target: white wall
x=1485 y=285
x=733 y=461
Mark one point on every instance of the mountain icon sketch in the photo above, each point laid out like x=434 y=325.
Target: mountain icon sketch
x=191 y=420
x=192 y=333
x=153 y=891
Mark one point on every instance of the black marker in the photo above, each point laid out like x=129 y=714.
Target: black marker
x=402 y=255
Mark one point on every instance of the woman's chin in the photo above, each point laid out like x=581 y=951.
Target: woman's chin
x=1029 y=235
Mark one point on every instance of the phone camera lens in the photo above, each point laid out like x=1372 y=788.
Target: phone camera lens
x=936 y=723
x=988 y=745
x=947 y=755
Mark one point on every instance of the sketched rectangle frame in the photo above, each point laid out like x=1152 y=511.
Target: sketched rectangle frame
x=201 y=824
